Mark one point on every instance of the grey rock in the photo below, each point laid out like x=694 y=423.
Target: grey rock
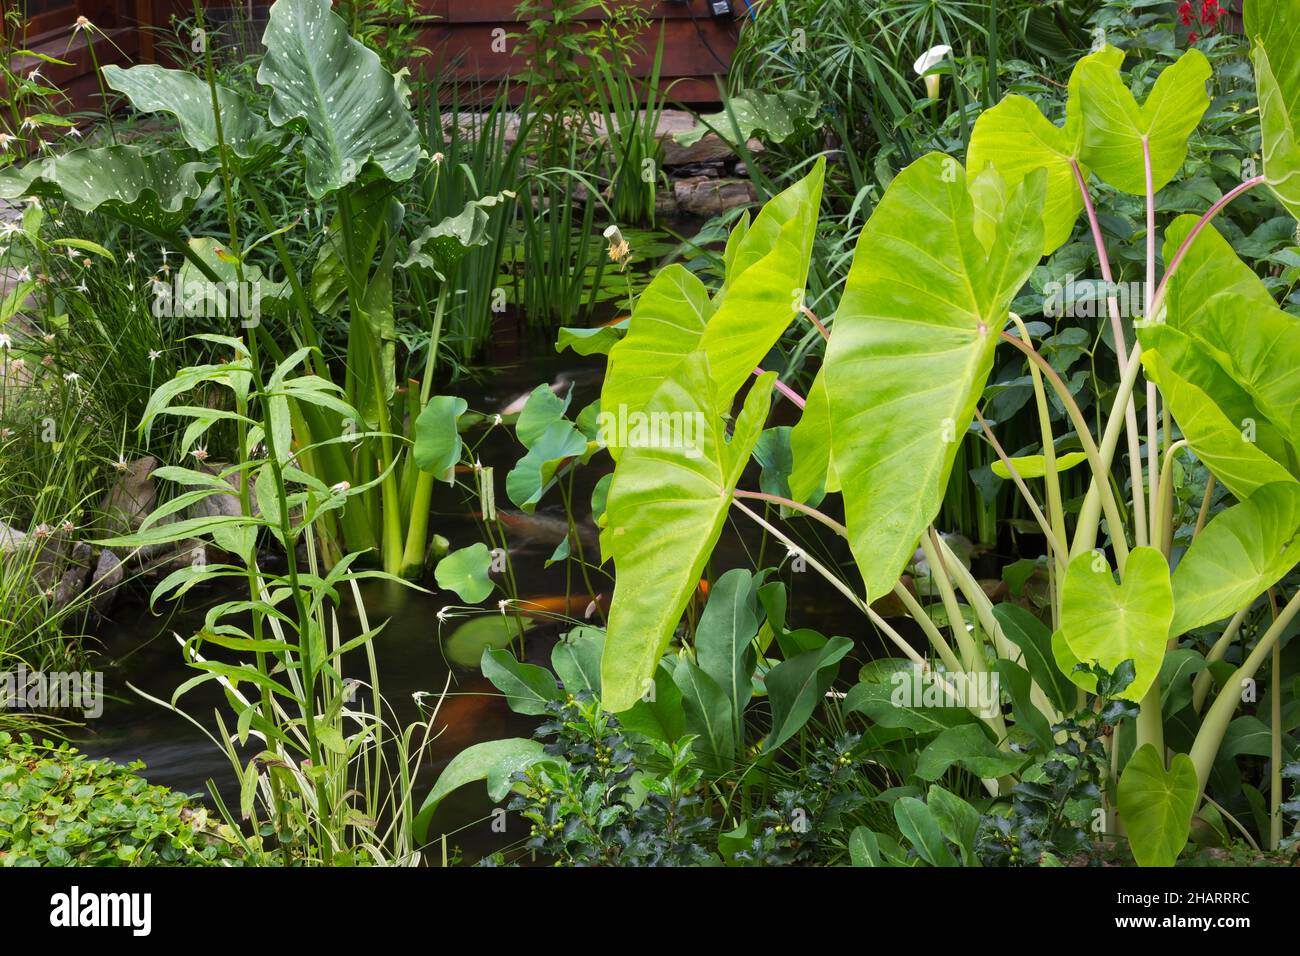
x=132 y=497
x=703 y=196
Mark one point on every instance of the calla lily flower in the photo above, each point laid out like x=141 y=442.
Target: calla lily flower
x=926 y=62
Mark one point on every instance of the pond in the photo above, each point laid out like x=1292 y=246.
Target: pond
x=140 y=648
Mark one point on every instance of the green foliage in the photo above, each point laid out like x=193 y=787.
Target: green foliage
x=59 y=807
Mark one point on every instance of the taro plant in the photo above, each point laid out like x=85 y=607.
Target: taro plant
x=924 y=309
x=331 y=99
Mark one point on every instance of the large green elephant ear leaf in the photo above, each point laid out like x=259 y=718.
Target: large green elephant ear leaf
x=810 y=446
x=765 y=284
x=350 y=106
x=667 y=322
x=1219 y=302
x=1229 y=445
x=669 y=499
x=1242 y=552
x=155 y=89
x=1115 y=126
x=1016 y=139
x=1110 y=623
x=1274 y=26
x=152 y=191
x=912 y=346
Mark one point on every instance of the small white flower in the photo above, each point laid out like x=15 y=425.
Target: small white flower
x=28 y=123
x=6 y=433
x=502 y=605
x=42 y=531
x=5 y=141
x=200 y=454
x=74 y=132
x=68 y=527
x=153 y=354
x=130 y=256
x=443 y=615
x=24 y=274
x=341 y=487
x=35 y=75
x=71 y=377
x=497 y=419
x=438 y=157
x=120 y=464
x=927 y=62
x=5 y=342
x=930 y=59
x=82 y=24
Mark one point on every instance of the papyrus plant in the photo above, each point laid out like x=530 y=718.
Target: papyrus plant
x=924 y=309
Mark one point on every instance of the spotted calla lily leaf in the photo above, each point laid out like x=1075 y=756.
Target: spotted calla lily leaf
x=185 y=95
x=332 y=85
x=152 y=191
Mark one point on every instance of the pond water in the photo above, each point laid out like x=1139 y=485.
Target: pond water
x=140 y=648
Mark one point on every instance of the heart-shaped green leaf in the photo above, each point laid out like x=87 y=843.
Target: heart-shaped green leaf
x=1108 y=623
x=1015 y=139
x=1115 y=126
x=1156 y=805
x=1242 y=552
x=437 y=439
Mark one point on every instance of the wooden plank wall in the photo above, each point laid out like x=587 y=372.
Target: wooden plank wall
x=697 y=45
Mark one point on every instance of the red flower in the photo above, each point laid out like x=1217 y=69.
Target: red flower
x=1185 y=13
x=1191 y=38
